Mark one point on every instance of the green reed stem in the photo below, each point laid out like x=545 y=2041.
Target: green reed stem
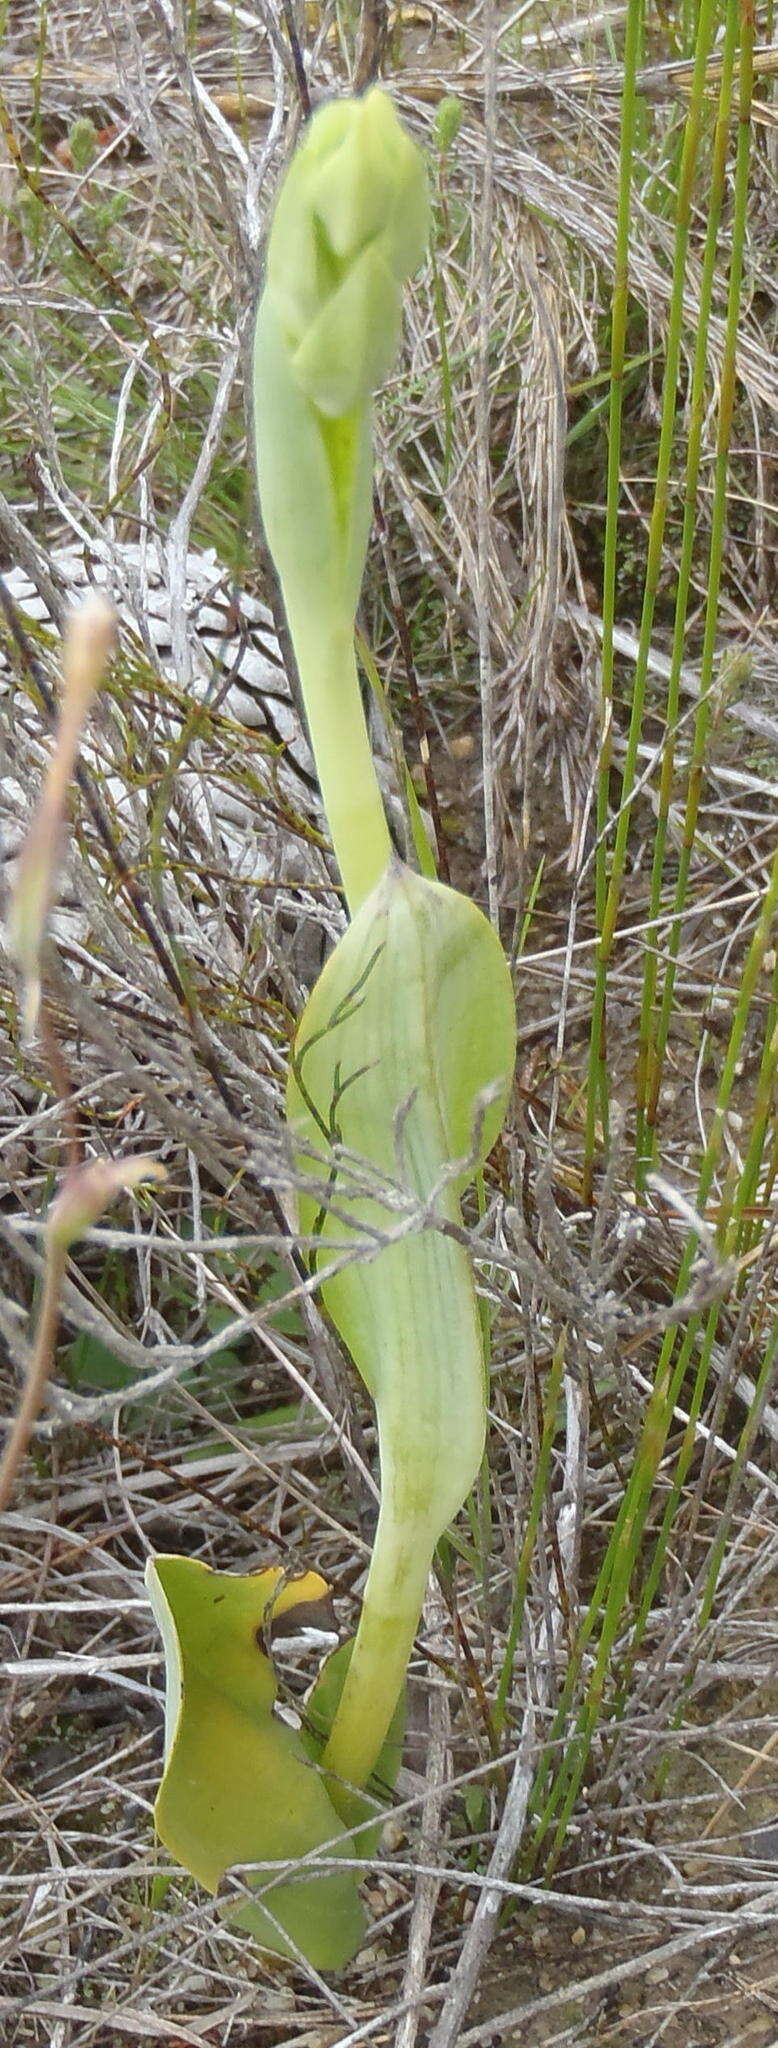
x=751 y=1228
x=724 y=429
x=689 y=152
x=747 y=1435
x=598 y=1077
x=649 y=1076
x=611 y=1592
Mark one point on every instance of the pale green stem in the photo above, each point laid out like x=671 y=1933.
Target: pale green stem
x=393 y=1600
x=344 y=763
x=428 y=1463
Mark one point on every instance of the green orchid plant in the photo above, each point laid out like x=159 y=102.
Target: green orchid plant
x=399 y=1080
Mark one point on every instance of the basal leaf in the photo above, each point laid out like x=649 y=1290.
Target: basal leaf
x=403 y=1059
x=238 y=1785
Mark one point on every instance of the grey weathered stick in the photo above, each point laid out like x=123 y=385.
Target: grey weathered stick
x=427 y=1885
x=483 y=1926
x=36 y=1379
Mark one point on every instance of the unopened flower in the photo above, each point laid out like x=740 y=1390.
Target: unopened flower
x=89 y=638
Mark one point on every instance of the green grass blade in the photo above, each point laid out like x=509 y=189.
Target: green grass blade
x=687 y=173
x=649 y=1072
x=597 y=1080
x=726 y=408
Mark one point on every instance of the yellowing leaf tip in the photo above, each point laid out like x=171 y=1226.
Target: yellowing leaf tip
x=90 y=636
x=89 y=1189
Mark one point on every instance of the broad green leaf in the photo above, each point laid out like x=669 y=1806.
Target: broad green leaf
x=276 y=1422
x=90 y=1363
x=238 y=1785
x=403 y=1058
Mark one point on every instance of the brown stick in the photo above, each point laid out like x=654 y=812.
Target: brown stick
x=37 y=1373
x=373 y=38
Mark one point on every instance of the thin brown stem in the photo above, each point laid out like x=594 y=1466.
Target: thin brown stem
x=37 y=1374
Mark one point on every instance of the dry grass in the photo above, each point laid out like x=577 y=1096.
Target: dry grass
x=123 y=413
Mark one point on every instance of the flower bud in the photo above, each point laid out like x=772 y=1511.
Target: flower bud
x=350 y=227
x=88 y=642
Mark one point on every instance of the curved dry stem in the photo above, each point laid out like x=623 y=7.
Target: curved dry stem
x=37 y=1374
